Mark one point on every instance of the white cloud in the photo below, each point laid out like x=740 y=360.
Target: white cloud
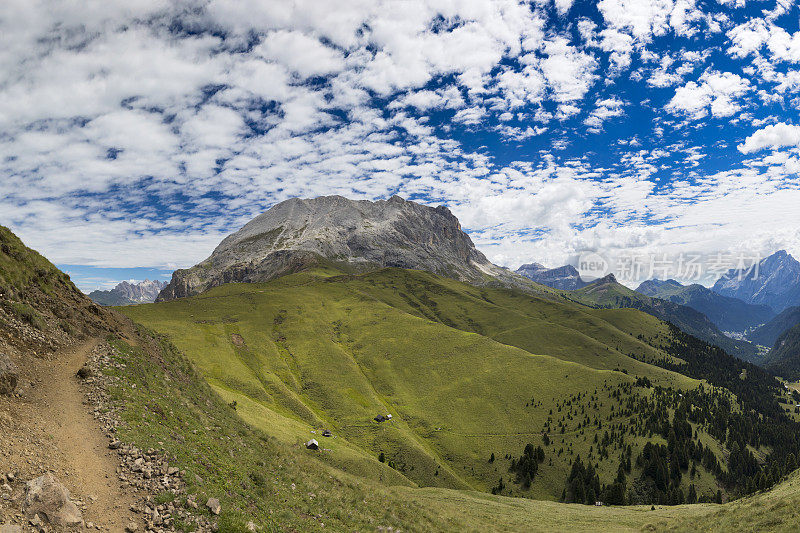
x=128 y=130
x=774 y=136
x=568 y=71
x=620 y=45
x=300 y=53
x=783 y=45
x=563 y=6
x=470 y=115
x=716 y=92
x=604 y=109
x=523 y=87
x=421 y=100
x=732 y=3
x=770 y=46
x=748 y=38
x=644 y=19
x=566 y=111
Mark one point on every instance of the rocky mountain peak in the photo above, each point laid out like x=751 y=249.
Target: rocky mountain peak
x=564 y=277
x=774 y=282
x=127 y=293
x=531 y=268
x=608 y=279
x=355 y=235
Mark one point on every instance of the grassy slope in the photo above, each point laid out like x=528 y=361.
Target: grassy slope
x=28 y=280
x=774 y=510
x=317 y=352
x=166 y=405
x=34 y=291
x=598 y=338
x=21 y=267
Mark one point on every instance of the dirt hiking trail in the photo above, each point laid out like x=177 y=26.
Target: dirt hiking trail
x=55 y=432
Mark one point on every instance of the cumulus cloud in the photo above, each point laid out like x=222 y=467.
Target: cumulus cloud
x=604 y=109
x=523 y=87
x=563 y=6
x=568 y=71
x=645 y=19
x=774 y=136
x=717 y=92
x=300 y=53
x=750 y=37
x=425 y=100
x=470 y=115
x=620 y=45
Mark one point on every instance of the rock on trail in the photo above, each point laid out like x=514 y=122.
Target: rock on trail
x=49 y=500
x=8 y=375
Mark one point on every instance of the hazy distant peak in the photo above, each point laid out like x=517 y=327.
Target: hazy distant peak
x=564 y=277
x=127 y=293
x=774 y=282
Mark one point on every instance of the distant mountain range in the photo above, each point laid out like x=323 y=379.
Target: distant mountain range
x=566 y=278
x=608 y=293
x=774 y=282
x=728 y=314
x=127 y=293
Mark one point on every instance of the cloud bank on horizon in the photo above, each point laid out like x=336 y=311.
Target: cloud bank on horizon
x=138 y=134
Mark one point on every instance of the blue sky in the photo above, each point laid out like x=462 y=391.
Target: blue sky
x=137 y=135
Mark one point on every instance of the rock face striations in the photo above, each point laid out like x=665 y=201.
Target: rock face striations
x=352 y=235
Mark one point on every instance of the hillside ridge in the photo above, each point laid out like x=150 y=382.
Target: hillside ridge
x=727 y=313
x=768 y=334
x=608 y=293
